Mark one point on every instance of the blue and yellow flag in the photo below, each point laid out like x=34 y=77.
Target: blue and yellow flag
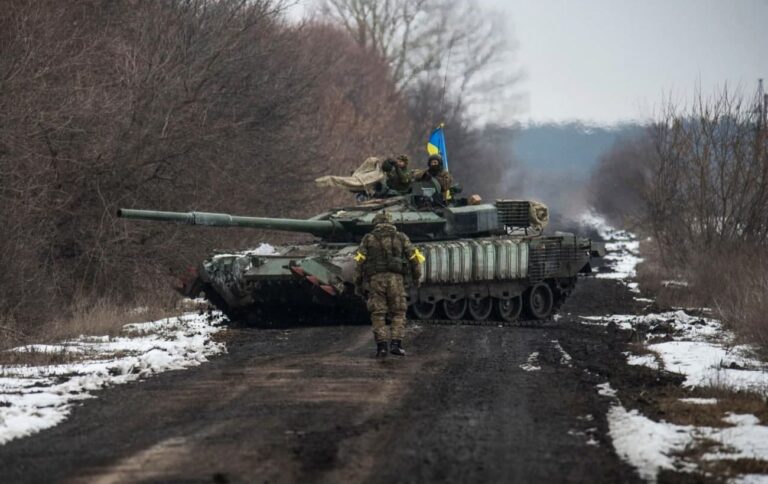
x=436 y=144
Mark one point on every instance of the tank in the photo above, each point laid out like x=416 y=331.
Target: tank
x=484 y=262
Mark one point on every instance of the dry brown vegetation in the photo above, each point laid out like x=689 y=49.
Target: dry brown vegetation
x=697 y=184
x=172 y=105
x=177 y=105
x=673 y=410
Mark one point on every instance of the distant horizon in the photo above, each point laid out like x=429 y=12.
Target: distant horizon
x=589 y=123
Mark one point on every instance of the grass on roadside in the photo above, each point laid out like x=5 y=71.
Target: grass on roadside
x=679 y=412
x=716 y=470
x=640 y=348
x=87 y=317
x=36 y=357
x=735 y=467
x=733 y=283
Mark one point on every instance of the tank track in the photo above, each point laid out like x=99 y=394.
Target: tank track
x=521 y=323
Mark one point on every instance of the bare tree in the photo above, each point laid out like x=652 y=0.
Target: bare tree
x=423 y=40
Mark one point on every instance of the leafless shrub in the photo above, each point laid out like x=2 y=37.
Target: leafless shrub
x=709 y=177
x=702 y=174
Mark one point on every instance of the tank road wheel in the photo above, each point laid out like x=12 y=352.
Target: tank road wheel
x=480 y=309
x=423 y=309
x=508 y=309
x=539 y=301
x=454 y=309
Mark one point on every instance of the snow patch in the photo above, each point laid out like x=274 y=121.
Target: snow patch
x=710 y=364
x=741 y=419
x=674 y=284
x=605 y=390
x=700 y=348
x=646 y=444
x=648 y=360
x=748 y=440
x=750 y=479
x=33 y=398
x=533 y=362
x=262 y=249
x=679 y=324
x=565 y=358
x=699 y=401
x=622 y=250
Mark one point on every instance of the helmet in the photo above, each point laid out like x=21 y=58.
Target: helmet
x=382 y=218
x=404 y=158
x=435 y=157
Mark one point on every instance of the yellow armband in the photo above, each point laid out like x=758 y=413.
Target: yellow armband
x=418 y=256
x=359 y=257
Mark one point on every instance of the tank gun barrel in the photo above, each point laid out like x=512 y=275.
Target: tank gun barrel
x=314 y=227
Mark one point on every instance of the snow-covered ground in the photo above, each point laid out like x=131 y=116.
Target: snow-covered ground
x=651 y=446
x=33 y=398
x=695 y=346
x=622 y=251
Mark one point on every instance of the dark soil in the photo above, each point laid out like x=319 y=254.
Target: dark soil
x=311 y=404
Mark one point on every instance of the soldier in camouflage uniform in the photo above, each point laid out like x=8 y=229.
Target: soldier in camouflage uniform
x=438 y=175
x=384 y=259
x=399 y=177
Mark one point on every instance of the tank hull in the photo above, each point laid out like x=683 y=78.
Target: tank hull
x=487 y=278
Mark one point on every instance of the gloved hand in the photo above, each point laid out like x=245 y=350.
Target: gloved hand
x=388 y=165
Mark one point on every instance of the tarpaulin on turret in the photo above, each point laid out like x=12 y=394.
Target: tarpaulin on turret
x=362 y=179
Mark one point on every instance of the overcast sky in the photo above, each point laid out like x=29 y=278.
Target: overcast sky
x=614 y=60
x=609 y=61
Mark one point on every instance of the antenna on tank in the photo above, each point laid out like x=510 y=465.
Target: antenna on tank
x=445 y=82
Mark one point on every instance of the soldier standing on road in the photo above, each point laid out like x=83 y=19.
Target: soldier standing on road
x=385 y=259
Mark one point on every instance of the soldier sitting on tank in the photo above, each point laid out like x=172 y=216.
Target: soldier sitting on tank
x=399 y=177
x=439 y=176
x=385 y=259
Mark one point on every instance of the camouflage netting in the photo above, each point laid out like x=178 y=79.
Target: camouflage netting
x=363 y=179
x=539 y=215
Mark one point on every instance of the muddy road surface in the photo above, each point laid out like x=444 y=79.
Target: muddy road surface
x=468 y=404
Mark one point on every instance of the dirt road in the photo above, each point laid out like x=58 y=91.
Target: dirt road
x=311 y=404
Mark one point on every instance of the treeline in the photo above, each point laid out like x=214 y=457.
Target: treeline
x=696 y=182
x=177 y=105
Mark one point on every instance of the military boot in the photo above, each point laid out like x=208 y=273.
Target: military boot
x=381 y=349
x=396 y=347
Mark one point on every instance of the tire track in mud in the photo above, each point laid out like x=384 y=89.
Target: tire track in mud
x=311 y=404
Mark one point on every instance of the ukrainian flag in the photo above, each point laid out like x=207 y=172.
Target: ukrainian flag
x=436 y=144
